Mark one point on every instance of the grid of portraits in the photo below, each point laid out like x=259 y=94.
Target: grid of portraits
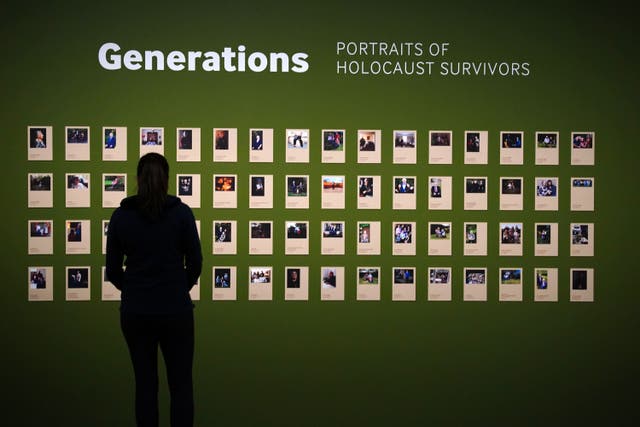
x=423 y=241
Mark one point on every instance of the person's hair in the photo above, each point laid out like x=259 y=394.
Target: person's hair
x=153 y=184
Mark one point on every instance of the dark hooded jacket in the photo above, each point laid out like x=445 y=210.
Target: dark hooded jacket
x=162 y=257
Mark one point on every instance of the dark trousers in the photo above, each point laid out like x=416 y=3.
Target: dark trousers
x=174 y=335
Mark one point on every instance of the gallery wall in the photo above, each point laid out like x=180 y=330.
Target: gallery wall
x=303 y=358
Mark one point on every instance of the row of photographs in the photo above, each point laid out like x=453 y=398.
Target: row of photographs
x=297 y=191
x=260 y=143
x=367 y=235
x=332 y=281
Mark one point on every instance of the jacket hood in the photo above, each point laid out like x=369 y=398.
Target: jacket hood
x=132 y=202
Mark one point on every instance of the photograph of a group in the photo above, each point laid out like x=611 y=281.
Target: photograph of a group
x=547 y=152
x=114 y=189
x=297 y=192
x=511 y=148
x=439 y=242
x=40 y=190
x=260 y=287
x=333 y=192
x=440 y=151
x=224 y=237
x=582 y=194
x=369 y=146
x=510 y=239
x=224 y=283
x=404 y=147
x=332 y=238
x=511 y=193
x=583 y=148
x=333 y=146
x=297 y=145
x=403 y=286
x=439 y=288
x=368 y=284
x=151 y=140
x=297 y=239
x=40 y=283
x=77 y=193
x=510 y=288
x=475 y=284
x=403 y=238
x=77 y=143
x=40 y=237
x=475 y=193
x=224 y=191
x=546 y=194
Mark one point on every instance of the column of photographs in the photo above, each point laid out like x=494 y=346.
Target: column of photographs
x=369 y=188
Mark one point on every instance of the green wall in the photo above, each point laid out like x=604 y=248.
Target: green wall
x=333 y=363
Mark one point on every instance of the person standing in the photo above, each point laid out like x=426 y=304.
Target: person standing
x=157 y=234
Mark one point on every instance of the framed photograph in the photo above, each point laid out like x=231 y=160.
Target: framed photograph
x=405 y=147
x=225 y=145
x=582 y=238
x=296 y=283
x=297 y=145
x=225 y=237
x=547 y=193
x=332 y=242
x=546 y=285
x=188 y=189
x=476 y=150
x=296 y=238
x=440 y=147
x=475 y=284
x=225 y=191
x=546 y=243
x=40 y=237
x=369 y=192
x=114 y=143
x=510 y=288
x=440 y=192
x=333 y=189
x=261 y=191
x=403 y=287
x=40 y=143
x=439 y=238
x=332 y=283
x=368 y=284
x=581 y=287
x=188 y=144
x=77 y=143
x=511 y=190
x=439 y=288
x=404 y=242
x=114 y=189
x=297 y=192
x=368 y=238
x=369 y=150
x=78 y=283
x=260 y=283
x=404 y=192
x=261 y=145
x=224 y=283
x=260 y=237
x=40 y=190
x=583 y=145
x=333 y=149
x=108 y=291
x=40 y=283
x=547 y=149
x=582 y=194
x=510 y=239
x=151 y=140
x=511 y=148
x=475 y=193
x=77 y=193
x=475 y=239
x=78 y=236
